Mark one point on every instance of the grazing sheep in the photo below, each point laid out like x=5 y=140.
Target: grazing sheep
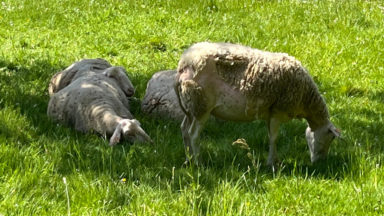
x=91 y=95
x=238 y=83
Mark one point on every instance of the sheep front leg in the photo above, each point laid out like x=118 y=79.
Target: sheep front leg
x=185 y=125
x=273 y=131
x=194 y=134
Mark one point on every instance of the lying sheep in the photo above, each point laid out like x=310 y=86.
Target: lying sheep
x=238 y=83
x=160 y=98
x=91 y=95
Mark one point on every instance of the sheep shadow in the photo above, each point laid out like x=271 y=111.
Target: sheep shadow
x=218 y=153
x=377 y=96
x=22 y=90
x=222 y=161
x=292 y=150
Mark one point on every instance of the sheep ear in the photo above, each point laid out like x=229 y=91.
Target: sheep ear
x=115 y=138
x=142 y=135
x=118 y=74
x=110 y=72
x=136 y=122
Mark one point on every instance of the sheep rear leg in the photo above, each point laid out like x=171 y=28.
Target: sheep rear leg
x=273 y=131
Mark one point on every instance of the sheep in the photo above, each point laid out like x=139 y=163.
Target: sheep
x=160 y=98
x=91 y=95
x=239 y=83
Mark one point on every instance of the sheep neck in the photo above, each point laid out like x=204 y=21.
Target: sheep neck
x=316 y=122
x=317 y=113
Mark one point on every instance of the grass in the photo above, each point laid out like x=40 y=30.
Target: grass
x=340 y=42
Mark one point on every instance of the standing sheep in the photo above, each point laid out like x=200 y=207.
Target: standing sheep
x=238 y=83
x=91 y=95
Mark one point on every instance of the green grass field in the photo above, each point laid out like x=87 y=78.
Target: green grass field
x=341 y=43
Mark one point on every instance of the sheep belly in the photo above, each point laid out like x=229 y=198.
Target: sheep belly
x=232 y=105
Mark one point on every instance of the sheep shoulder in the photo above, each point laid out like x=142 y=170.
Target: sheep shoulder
x=63 y=78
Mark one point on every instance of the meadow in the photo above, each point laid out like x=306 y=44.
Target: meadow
x=50 y=169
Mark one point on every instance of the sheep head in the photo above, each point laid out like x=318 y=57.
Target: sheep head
x=320 y=139
x=131 y=130
x=120 y=76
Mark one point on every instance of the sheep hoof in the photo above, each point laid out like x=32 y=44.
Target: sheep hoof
x=190 y=162
x=186 y=163
x=114 y=140
x=274 y=165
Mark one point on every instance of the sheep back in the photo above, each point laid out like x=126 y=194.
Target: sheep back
x=277 y=79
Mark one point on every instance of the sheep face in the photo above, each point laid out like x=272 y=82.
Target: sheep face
x=320 y=140
x=131 y=130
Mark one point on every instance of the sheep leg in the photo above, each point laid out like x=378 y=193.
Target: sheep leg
x=115 y=138
x=273 y=131
x=185 y=125
x=194 y=133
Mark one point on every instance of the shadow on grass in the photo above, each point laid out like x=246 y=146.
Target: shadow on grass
x=25 y=88
x=363 y=135
x=377 y=96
